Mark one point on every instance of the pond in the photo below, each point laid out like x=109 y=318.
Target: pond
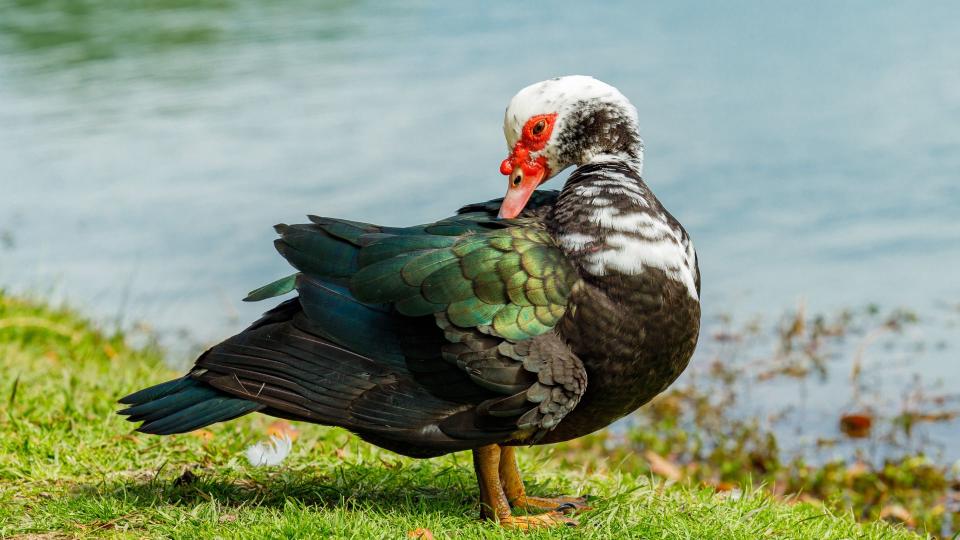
x=812 y=151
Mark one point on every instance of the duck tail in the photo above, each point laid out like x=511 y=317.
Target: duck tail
x=182 y=405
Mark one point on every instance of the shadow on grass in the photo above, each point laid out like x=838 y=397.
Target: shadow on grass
x=399 y=489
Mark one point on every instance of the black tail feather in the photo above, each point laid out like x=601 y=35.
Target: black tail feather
x=182 y=405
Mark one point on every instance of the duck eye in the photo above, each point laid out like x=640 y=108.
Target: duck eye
x=539 y=127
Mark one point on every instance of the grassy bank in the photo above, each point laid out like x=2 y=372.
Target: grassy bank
x=69 y=466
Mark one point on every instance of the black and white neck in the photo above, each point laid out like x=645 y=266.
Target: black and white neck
x=609 y=222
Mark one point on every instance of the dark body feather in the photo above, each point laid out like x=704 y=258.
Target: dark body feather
x=453 y=335
x=635 y=334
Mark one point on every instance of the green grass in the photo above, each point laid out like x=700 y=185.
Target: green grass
x=70 y=467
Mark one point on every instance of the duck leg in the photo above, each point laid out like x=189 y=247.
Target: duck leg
x=493 y=500
x=517 y=495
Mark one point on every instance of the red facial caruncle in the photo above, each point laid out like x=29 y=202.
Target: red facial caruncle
x=524 y=171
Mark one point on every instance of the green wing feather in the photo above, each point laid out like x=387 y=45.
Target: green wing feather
x=514 y=279
x=495 y=288
x=276 y=288
x=508 y=277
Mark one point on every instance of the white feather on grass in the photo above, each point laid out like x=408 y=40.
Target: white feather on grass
x=270 y=453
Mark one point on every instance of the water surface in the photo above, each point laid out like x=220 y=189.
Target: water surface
x=146 y=149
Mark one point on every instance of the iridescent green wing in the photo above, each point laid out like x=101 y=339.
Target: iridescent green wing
x=328 y=248
x=496 y=293
x=496 y=288
x=512 y=282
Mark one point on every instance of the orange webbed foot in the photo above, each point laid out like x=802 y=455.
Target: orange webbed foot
x=538 y=521
x=564 y=505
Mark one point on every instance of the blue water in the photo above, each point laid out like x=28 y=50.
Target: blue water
x=146 y=149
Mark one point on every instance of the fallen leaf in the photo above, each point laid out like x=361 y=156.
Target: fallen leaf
x=856 y=425
x=662 y=466
x=420 y=534
x=204 y=435
x=857 y=469
x=281 y=428
x=939 y=416
x=227 y=518
x=897 y=514
x=341 y=452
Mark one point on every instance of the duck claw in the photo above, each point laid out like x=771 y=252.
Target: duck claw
x=538 y=521
x=564 y=505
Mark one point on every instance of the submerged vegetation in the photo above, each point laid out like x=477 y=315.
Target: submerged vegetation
x=682 y=468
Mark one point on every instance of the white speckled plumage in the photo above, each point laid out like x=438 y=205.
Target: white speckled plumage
x=631 y=236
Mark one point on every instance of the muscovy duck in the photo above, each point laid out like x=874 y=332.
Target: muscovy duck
x=532 y=319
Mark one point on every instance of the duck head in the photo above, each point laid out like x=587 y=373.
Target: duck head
x=557 y=123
